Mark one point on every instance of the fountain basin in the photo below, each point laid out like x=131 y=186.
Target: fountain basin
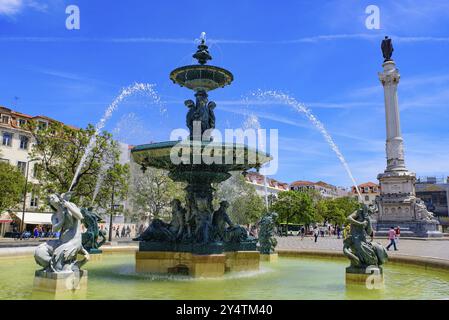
x=198 y=155
x=201 y=77
x=289 y=278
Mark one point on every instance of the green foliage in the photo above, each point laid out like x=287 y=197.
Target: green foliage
x=336 y=211
x=247 y=209
x=12 y=184
x=295 y=207
x=245 y=205
x=152 y=192
x=60 y=149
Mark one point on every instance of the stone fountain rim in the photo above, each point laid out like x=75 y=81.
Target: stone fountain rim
x=170 y=144
x=228 y=74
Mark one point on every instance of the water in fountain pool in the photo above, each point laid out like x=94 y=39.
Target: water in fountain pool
x=290 y=278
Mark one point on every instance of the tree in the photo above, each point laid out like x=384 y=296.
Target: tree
x=336 y=211
x=152 y=192
x=60 y=149
x=12 y=184
x=245 y=205
x=247 y=209
x=294 y=207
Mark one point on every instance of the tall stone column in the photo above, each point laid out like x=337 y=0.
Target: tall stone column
x=397 y=202
x=395 y=145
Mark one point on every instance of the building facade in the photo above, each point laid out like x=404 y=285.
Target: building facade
x=326 y=190
x=369 y=192
x=273 y=187
x=435 y=194
x=15 y=146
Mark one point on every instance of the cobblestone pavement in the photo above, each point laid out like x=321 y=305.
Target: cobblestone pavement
x=423 y=248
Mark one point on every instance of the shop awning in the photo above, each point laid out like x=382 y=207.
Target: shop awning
x=35 y=217
x=5 y=218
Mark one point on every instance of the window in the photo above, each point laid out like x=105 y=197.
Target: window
x=366 y=198
x=36 y=169
x=34 y=202
x=24 y=142
x=22 y=166
x=5 y=119
x=7 y=139
x=42 y=125
x=21 y=122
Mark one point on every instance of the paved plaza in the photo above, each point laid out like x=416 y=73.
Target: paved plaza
x=421 y=248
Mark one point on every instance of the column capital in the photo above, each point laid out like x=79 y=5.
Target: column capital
x=390 y=75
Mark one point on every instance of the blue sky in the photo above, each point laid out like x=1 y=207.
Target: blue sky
x=320 y=52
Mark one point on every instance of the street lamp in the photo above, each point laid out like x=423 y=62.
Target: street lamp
x=25 y=192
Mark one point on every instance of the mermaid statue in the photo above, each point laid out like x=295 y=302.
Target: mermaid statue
x=361 y=252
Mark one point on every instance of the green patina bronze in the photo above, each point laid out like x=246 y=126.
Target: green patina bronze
x=199 y=162
x=267 y=240
x=361 y=252
x=93 y=238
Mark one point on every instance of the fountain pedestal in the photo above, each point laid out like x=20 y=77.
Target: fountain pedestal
x=165 y=262
x=272 y=257
x=371 y=277
x=60 y=282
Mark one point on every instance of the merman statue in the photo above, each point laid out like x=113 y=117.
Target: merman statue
x=61 y=255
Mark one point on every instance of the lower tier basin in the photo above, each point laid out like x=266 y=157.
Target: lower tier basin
x=114 y=277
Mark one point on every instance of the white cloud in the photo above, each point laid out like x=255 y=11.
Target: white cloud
x=13 y=7
x=10 y=7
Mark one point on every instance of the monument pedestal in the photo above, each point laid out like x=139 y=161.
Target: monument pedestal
x=61 y=282
x=272 y=257
x=419 y=229
x=371 y=277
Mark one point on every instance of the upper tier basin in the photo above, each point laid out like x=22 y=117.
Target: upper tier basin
x=201 y=77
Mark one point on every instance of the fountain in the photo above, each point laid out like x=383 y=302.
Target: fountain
x=198 y=241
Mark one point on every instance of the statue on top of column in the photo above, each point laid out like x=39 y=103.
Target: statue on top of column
x=387 y=49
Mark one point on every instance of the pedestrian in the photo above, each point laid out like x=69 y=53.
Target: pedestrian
x=338 y=232
x=398 y=234
x=36 y=232
x=316 y=233
x=117 y=232
x=392 y=238
x=303 y=232
x=123 y=232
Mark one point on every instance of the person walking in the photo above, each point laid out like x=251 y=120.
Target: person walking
x=123 y=232
x=338 y=232
x=316 y=233
x=117 y=232
x=36 y=232
x=398 y=234
x=392 y=238
x=303 y=232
